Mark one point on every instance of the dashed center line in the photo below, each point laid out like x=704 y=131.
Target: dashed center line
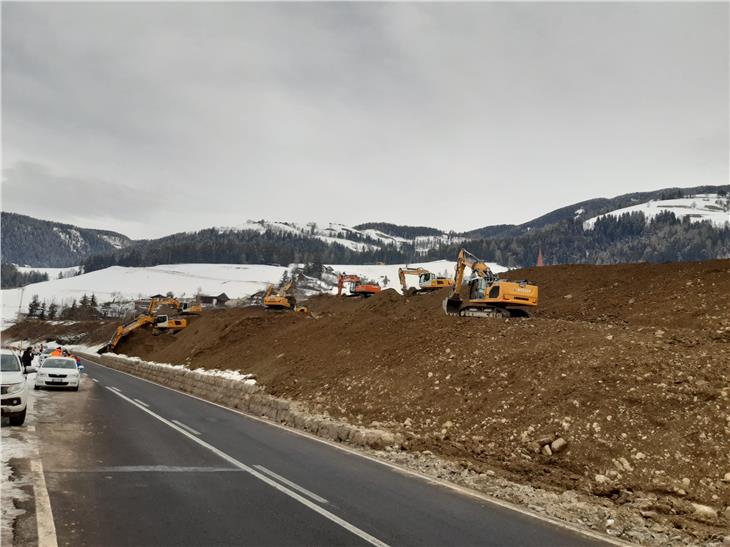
x=185 y=427
x=115 y=389
x=95 y=380
x=142 y=403
x=263 y=477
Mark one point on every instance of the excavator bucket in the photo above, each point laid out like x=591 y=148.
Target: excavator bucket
x=452 y=305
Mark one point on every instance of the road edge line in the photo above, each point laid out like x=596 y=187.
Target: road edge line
x=397 y=467
x=43 y=512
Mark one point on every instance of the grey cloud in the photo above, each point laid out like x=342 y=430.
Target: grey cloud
x=32 y=187
x=352 y=112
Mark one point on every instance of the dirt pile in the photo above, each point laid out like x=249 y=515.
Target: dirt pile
x=622 y=372
x=64 y=332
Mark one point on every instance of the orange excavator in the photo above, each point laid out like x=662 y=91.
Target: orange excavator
x=427 y=281
x=158 y=322
x=283 y=300
x=357 y=286
x=489 y=296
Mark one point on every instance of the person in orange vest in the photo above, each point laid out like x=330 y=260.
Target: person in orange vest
x=58 y=352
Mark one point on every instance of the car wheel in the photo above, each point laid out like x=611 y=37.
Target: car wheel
x=17 y=419
x=36 y=387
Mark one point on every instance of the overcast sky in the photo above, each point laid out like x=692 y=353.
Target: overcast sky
x=156 y=118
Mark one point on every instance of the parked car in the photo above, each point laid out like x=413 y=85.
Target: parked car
x=58 y=372
x=14 y=402
x=46 y=353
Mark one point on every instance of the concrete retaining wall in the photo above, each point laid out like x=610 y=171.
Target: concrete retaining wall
x=251 y=399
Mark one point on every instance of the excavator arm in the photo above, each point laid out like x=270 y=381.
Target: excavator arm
x=478 y=267
x=403 y=272
x=124 y=330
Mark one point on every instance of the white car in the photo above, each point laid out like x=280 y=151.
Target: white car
x=14 y=398
x=46 y=353
x=58 y=372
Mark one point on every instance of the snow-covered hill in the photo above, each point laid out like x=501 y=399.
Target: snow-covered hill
x=184 y=280
x=356 y=240
x=699 y=208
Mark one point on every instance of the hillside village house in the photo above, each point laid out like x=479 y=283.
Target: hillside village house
x=219 y=300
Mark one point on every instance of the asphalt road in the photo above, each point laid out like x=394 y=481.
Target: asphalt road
x=128 y=462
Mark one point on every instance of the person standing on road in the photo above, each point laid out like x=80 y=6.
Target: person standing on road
x=58 y=352
x=27 y=358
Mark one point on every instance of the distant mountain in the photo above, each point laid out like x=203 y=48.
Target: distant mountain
x=674 y=224
x=28 y=241
x=659 y=226
x=712 y=208
x=267 y=242
x=363 y=237
x=591 y=208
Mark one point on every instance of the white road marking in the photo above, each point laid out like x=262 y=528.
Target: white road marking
x=186 y=427
x=142 y=403
x=481 y=496
x=115 y=389
x=271 y=482
x=95 y=380
x=149 y=469
x=43 y=511
x=291 y=484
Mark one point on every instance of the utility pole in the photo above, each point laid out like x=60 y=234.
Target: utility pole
x=20 y=304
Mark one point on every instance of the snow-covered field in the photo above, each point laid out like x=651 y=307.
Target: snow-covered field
x=184 y=280
x=699 y=208
x=117 y=282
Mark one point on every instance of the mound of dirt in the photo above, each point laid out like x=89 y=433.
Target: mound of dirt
x=65 y=332
x=628 y=364
x=691 y=295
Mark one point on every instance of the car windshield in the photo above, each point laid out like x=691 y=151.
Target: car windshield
x=59 y=363
x=9 y=363
x=48 y=350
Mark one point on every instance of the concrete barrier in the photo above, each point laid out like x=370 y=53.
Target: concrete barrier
x=250 y=398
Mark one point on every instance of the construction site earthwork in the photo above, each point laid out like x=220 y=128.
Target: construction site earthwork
x=603 y=400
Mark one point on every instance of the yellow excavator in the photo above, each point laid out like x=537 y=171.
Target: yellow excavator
x=282 y=300
x=427 y=281
x=161 y=322
x=489 y=296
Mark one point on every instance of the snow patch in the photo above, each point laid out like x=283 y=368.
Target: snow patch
x=236 y=375
x=699 y=208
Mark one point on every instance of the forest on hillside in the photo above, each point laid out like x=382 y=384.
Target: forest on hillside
x=628 y=238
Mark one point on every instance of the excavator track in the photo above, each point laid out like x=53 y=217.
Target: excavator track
x=484 y=312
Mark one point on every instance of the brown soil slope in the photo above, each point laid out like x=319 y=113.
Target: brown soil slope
x=76 y=332
x=627 y=361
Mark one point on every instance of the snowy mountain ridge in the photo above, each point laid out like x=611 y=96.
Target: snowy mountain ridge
x=712 y=208
x=352 y=238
